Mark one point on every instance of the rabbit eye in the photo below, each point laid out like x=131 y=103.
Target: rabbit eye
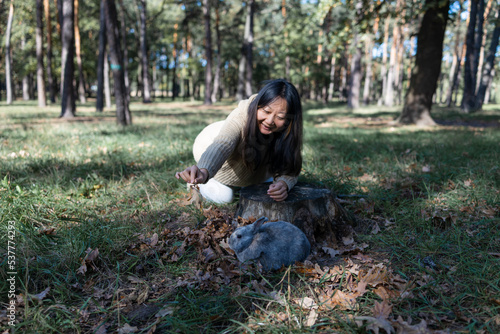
x=239 y=236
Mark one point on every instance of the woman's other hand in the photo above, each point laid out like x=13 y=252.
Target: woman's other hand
x=278 y=191
x=193 y=175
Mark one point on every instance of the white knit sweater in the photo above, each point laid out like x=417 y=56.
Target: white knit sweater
x=223 y=156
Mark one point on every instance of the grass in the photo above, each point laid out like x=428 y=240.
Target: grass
x=71 y=186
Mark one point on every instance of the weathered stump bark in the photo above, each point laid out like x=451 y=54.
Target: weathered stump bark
x=312 y=209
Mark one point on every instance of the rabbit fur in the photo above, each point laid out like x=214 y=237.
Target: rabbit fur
x=274 y=244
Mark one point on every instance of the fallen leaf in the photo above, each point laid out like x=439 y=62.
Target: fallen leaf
x=374 y=324
x=127 y=329
x=40 y=296
x=376 y=276
x=306 y=303
x=382 y=310
x=404 y=327
x=311 y=318
x=330 y=251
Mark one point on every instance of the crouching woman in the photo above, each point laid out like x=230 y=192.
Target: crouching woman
x=261 y=140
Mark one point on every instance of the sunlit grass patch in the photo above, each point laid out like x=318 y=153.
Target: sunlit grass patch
x=428 y=200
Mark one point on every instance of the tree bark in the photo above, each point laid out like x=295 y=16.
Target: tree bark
x=418 y=102
x=471 y=55
x=26 y=79
x=368 y=75
x=314 y=210
x=125 y=49
x=146 y=88
x=331 y=86
x=245 y=70
x=50 y=75
x=107 y=85
x=40 y=80
x=215 y=91
x=67 y=60
x=455 y=65
x=81 y=81
x=101 y=59
x=383 y=70
x=482 y=45
x=8 y=58
x=208 y=53
x=355 y=78
x=116 y=57
x=488 y=69
x=391 y=73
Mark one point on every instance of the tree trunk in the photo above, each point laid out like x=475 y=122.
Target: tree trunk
x=125 y=49
x=101 y=59
x=81 y=81
x=174 y=69
x=249 y=48
x=40 y=80
x=50 y=75
x=25 y=82
x=391 y=73
x=368 y=75
x=8 y=58
x=122 y=109
x=331 y=86
x=208 y=53
x=488 y=69
x=245 y=69
x=418 y=102
x=482 y=45
x=383 y=70
x=146 y=95
x=455 y=65
x=67 y=60
x=107 y=85
x=215 y=91
x=471 y=63
x=355 y=78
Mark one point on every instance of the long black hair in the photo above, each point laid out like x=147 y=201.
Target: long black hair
x=284 y=153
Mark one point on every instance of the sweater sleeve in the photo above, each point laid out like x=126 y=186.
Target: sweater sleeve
x=290 y=181
x=227 y=140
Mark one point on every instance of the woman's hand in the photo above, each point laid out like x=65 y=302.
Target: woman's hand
x=278 y=191
x=193 y=175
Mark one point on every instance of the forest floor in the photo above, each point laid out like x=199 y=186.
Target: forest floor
x=101 y=238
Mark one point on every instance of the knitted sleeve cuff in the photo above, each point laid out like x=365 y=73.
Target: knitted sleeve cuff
x=290 y=181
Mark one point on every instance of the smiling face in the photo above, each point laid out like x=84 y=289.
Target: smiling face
x=272 y=118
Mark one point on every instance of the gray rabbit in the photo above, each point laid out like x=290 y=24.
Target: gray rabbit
x=274 y=244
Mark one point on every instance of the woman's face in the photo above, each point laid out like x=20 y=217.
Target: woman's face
x=272 y=118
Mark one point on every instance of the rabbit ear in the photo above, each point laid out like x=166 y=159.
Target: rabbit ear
x=258 y=223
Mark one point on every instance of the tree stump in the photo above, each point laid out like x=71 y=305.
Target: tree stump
x=314 y=210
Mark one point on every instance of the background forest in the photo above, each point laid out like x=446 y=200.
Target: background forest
x=359 y=52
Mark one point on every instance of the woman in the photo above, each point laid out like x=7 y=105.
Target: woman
x=259 y=141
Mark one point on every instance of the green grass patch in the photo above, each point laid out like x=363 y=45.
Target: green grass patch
x=429 y=200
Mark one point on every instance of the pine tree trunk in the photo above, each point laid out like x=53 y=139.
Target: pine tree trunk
x=208 y=53
x=81 y=81
x=40 y=80
x=174 y=69
x=245 y=67
x=101 y=59
x=355 y=78
x=249 y=49
x=391 y=73
x=25 y=82
x=471 y=63
x=368 y=75
x=8 y=56
x=125 y=49
x=146 y=96
x=488 y=69
x=455 y=65
x=107 y=84
x=331 y=86
x=482 y=46
x=67 y=60
x=116 y=57
x=216 y=88
x=50 y=75
x=418 y=102
x=383 y=70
